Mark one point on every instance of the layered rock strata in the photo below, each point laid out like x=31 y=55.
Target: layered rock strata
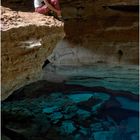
x=96 y=31
x=107 y=29
x=27 y=40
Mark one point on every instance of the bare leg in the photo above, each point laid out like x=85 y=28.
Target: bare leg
x=55 y=3
x=42 y=10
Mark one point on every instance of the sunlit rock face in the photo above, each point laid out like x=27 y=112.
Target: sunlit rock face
x=27 y=39
x=106 y=28
x=96 y=31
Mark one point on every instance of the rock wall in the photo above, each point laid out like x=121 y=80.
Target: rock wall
x=108 y=28
x=27 y=39
x=18 y=5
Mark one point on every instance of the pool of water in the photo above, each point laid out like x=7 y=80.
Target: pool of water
x=99 y=102
x=120 y=77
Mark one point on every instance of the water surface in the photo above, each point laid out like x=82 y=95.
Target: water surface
x=98 y=102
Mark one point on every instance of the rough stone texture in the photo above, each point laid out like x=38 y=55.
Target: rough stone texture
x=101 y=52
x=106 y=28
x=99 y=22
x=27 y=40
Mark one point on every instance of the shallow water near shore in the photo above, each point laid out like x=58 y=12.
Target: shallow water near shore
x=98 y=102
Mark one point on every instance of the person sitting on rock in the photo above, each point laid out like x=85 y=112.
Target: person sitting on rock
x=45 y=6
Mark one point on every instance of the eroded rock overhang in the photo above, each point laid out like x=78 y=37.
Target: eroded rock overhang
x=108 y=29
x=25 y=44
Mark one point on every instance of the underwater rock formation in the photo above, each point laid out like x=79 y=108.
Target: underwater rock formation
x=67 y=112
x=93 y=103
x=26 y=41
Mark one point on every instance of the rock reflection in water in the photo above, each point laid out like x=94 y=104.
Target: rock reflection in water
x=121 y=77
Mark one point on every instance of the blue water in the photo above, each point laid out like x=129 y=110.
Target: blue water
x=120 y=116
x=97 y=102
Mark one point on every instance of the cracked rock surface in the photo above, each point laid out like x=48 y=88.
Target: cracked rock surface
x=27 y=38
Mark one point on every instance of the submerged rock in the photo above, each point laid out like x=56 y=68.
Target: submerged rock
x=96 y=127
x=62 y=114
x=69 y=111
x=78 y=137
x=80 y=97
x=50 y=110
x=127 y=104
x=67 y=127
x=83 y=114
x=83 y=131
x=103 y=135
x=55 y=117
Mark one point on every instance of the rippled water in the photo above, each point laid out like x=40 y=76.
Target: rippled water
x=99 y=102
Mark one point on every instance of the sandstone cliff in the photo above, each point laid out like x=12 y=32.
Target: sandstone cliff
x=27 y=39
x=107 y=28
x=96 y=31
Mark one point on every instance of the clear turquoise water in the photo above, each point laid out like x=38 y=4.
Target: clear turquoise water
x=124 y=78
x=97 y=102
